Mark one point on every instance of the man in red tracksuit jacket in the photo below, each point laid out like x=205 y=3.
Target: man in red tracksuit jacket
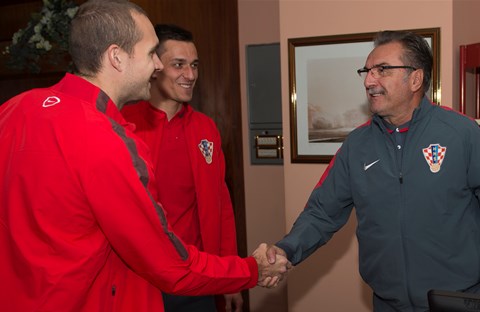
x=80 y=227
x=188 y=161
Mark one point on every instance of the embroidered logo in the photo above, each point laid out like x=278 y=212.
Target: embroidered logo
x=206 y=148
x=50 y=101
x=434 y=155
x=366 y=167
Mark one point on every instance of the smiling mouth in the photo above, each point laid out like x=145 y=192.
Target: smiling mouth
x=186 y=85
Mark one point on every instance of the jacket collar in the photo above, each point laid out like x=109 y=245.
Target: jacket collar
x=87 y=92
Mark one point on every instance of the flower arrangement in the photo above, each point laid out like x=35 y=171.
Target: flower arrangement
x=44 y=38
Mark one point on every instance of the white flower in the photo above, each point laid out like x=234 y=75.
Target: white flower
x=44 y=35
x=43 y=44
x=47 y=45
x=17 y=36
x=71 y=12
x=38 y=29
x=46 y=18
x=36 y=38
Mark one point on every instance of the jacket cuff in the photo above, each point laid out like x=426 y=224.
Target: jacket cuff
x=253 y=267
x=288 y=250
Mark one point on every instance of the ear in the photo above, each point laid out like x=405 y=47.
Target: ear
x=115 y=56
x=416 y=80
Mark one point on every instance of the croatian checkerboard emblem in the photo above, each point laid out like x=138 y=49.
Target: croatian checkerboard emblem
x=434 y=155
x=206 y=148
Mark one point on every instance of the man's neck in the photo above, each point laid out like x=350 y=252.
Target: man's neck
x=405 y=114
x=106 y=86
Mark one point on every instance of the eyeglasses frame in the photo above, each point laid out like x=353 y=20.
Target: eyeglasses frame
x=382 y=68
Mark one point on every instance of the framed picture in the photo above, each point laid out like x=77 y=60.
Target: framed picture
x=327 y=97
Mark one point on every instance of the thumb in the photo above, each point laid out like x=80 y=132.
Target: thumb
x=271 y=254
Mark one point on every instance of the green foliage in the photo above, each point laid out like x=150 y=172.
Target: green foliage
x=45 y=39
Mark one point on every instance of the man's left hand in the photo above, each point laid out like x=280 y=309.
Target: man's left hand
x=233 y=302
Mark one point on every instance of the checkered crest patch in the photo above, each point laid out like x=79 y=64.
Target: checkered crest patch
x=434 y=155
x=206 y=148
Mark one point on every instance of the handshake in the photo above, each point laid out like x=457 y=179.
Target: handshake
x=273 y=265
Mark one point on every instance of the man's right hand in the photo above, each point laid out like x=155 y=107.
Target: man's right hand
x=273 y=251
x=272 y=265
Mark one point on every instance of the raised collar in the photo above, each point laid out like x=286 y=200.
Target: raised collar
x=87 y=92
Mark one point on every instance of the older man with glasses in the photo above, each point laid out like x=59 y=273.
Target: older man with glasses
x=413 y=175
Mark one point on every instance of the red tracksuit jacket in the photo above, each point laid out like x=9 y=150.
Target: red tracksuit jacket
x=214 y=207
x=80 y=229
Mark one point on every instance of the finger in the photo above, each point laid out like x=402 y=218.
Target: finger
x=264 y=282
x=273 y=282
x=275 y=285
x=289 y=265
x=228 y=303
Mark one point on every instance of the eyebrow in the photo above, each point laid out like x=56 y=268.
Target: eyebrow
x=381 y=64
x=182 y=60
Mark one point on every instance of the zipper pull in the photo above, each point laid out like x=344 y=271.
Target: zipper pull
x=400 y=178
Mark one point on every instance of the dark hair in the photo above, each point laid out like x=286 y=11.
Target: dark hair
x=171 y=32
x=99 y=24
x=417 y=51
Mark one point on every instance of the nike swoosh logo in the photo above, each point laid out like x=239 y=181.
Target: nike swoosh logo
x=366 y=167
x=50 y=101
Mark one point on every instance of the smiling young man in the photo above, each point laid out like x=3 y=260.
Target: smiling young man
x=189 y=163
x=413 y=175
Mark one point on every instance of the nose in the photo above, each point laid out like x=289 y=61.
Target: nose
x=189 y=73
x=369 y=80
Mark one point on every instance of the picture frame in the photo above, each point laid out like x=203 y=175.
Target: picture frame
x=327 y=97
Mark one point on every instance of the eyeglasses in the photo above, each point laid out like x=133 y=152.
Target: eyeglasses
x=379 y=71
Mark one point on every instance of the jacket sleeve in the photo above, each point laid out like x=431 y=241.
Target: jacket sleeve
x=327 y=210
x=473 y=145
x=135 y=226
